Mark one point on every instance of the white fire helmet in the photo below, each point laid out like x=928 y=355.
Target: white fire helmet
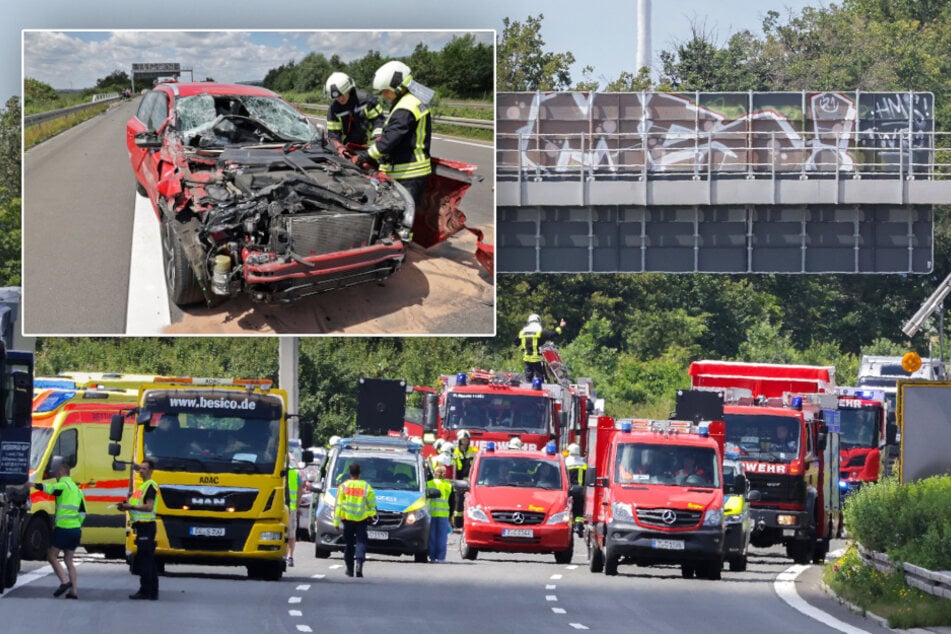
x=515 y=443
x=574 y=449
x=391 y=75
x=462 y=433
x=534 y=319
x=339 y=84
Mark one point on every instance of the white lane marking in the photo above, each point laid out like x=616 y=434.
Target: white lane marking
x=304 y=587
x=571 y=567
x=555 y=577
x=785 y=586
x=295 y=613
x=304 y=628
x=551 y=597
x=32 y=576
x=335 y=566
x=559 y=610
x=449 y=139
x=147 y=311
x=578 y=626
x=550 y=586
x=293 y=600
x=317 y=576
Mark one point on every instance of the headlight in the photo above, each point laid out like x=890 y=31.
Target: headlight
x=476 y=514
x=271 y=536
x=560 y=518
x=713 y=517
x=736 y=518
x=416 y=516
x=622 y=511
x=787 y=520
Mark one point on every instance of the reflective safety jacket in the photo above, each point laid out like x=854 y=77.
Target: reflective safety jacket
x=70 y=503
x=356 y=501
x=138 y=498
x=439 y=507
x=463 y=462
x=530 y=340
x=359 y=121
x=403 y=149
x=293 y=484
x=576 y=469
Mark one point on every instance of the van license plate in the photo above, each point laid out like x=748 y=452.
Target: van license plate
x=517 y=532
x=379 y=535
x=207 y=531
x=667 y=544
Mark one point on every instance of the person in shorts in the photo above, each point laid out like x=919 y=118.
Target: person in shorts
x=67 y=528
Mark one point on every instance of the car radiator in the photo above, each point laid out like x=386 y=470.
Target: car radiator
x=329 y=232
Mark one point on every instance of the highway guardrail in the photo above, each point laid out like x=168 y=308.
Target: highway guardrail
x=934 y=583
x=33 y=119
x=485 y=124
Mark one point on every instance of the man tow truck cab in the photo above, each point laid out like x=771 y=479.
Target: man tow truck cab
x=518 y=501
x=655 y=495
x=864 y=436
x=396 y=470
x=73 y=421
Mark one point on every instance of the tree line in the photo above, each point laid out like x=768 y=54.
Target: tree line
x=461 y=69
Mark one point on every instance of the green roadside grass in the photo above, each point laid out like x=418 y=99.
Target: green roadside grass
x=886 y=595
x=41 y=131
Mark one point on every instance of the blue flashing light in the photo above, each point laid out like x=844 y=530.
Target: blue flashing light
x=54 y=384
x=551 y=448
x=796 y=402
x=866 y=394
x=490 y=446
x=461 y=378
x=537 y=383
x=704 y=432
x=843 y=485
x=626 y=427
x=54 y=400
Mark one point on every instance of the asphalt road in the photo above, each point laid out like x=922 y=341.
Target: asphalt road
x=92 y=260
x=495 y=593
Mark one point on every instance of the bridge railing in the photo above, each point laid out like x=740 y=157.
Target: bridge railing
x=901 y=155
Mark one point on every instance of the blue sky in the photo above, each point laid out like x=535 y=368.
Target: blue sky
x=600 y=34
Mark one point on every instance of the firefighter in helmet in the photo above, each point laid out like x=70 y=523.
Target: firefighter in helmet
x=355 y=116
x=530 y=339
x=462 y=457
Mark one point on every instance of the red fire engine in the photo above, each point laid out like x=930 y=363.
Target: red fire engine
x=781 y=422
x=864 y=436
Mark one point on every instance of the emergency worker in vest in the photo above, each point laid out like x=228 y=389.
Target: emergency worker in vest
x=439 y=514
x=402 y=150
x=577 y=467
x=354 y=116
x=462 y=457
x=530 y=339
x=141 y=508
x=356 y=503
x=293 y=488
x=67 y=529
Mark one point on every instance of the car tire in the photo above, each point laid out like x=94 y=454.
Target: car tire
x=266 y=570
x=712 y=570
x=564 y=556
x=595 y=558
x=321 y=553
x=687 y=570
x=36 y=539
x=738 y=563
x=465 y=551
x=610 y=562
x=421 y=557
x=183 y=288
x=140 y=190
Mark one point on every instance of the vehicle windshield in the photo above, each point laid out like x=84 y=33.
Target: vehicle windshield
x=535 y=473
x=203 y=443
x=730 y=469
x=39 y=438
x=678 y=465
x=859 y=428
x=227 y=120
x=395 y=473
x=762 y=437
x=506 y=413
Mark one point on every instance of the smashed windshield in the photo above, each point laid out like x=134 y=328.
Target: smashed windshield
x=678 y=465
x=222 y=120
x=762 y=437
x=203 y=443
x=494 y=412
x=535 y=473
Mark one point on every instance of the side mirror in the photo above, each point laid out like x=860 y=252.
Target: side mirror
x=601 y=482
x=460 y=486
x=589 y=477
x=822 y=440
x=144 y=417
x=114 y=449
x=740 y=485
x=116 y=424
x=148 y=140
x=754 y=496
x=891 y=434
x=305 y=430
x=307 y=456
x=22 y=398
x=432 y=493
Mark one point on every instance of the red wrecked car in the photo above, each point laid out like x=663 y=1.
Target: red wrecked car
x=251 y=200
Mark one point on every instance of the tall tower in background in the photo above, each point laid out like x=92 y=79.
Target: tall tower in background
x=643 y=34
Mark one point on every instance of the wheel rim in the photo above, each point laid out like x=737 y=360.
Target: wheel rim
x=168 y=253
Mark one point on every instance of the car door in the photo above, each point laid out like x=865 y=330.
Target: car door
x=150 y=117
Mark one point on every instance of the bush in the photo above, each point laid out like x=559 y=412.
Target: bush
x=908 y=522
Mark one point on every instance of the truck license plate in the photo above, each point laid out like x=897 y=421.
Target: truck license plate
x=207 y=531
x=379 y=535
x=517 y=532
x=667 y=544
